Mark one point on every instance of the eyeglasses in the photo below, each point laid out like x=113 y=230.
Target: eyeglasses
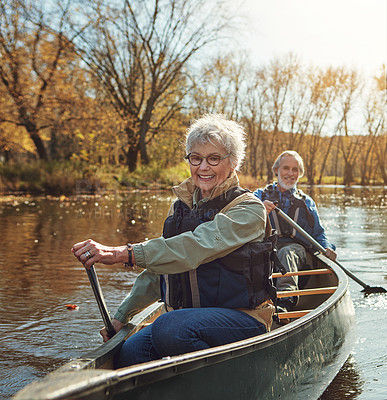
x=212 y=159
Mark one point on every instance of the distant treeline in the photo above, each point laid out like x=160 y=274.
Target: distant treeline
x=116 y=84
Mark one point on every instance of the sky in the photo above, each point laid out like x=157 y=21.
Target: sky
x=322 y=32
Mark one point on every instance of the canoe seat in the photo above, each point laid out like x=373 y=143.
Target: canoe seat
x=320 y=271
x=305 y=292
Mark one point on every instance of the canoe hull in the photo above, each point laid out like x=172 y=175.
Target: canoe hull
x=300 y=364
x=294 y=361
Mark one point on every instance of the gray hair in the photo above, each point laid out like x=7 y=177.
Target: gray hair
x=218 y=130
x=291 y=153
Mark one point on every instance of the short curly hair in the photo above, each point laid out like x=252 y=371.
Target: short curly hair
x=218 y=130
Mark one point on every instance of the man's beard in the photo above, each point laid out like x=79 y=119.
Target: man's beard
x=286 y=186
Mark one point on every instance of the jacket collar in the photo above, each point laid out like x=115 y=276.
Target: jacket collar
x=190 y=194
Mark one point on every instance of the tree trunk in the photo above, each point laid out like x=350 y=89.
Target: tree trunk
x=383 y=172
x=310 y=175
x=269 y=170
x=54 y=144
x=142 y=147
x=38 y=142
x=348 y=175
x=132 y=152
x=131 y=158
x=325 y=160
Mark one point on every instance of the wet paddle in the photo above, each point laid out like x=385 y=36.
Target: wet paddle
x=367 y=289
x=100 y=301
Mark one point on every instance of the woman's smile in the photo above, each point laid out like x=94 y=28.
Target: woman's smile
x=206 y=176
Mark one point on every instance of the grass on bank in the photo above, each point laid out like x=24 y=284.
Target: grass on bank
x=69 y=178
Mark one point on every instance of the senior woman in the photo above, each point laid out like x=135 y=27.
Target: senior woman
x=202 y=266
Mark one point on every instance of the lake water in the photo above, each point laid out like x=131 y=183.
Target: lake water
x=39 y=276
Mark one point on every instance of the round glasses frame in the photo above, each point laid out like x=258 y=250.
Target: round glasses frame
x=212 y=159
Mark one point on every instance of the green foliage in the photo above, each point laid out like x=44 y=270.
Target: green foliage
x=50 y=177
x=175 y=175
x=153 y=175
x=70 y=178
x=16 y=177
x=332 y=180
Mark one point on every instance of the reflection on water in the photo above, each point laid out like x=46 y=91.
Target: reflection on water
x=347 y=385
x=39 y=276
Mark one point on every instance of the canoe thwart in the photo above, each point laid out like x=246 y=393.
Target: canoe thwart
x=319 y=271
x=305 y=292
x=293 y=314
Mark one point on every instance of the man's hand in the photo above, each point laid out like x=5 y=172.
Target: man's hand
x=269 y=206
x=331 y=254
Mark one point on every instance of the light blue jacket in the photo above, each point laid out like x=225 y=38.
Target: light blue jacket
x=284 y=203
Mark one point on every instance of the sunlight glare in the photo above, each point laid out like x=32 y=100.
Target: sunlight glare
x=346 y=32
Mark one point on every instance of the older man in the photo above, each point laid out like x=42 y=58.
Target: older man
x=289 y=168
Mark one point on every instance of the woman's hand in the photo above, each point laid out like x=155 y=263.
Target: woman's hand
x=90 y=252
x=118 y=325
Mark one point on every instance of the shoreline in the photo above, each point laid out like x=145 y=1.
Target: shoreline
x=21 y=195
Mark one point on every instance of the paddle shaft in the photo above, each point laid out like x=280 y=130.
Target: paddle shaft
x=100 y=301
x=317 y=245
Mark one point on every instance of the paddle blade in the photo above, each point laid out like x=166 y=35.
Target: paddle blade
x=373 y=289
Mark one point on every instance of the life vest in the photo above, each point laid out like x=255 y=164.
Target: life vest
x=298 y=212
x=242 y=279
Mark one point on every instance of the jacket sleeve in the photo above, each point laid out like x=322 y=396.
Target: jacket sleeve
x=228 y=231
x=259 y=193
x=243 y=223
x=145 y=291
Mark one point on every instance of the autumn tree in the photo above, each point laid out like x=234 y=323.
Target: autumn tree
x=374 y=106
x=381 y=155
x=30 y=58
x=256 y=121
x=12 y=139
x=138 y=50
x=281 y=73
x=219 y=86
x=322 y=94
x=376 y=121
x=349 y=85
x=299 y=112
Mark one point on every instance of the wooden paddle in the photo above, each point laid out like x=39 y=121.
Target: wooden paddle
x=100 y=301
x=367 y=288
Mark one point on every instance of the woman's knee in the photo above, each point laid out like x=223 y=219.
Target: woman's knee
x=174 y=333
x=137 y=349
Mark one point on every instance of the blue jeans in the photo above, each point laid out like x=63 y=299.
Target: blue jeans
x=186 y=330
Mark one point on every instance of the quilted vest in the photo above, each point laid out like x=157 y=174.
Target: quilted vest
x=242 y=279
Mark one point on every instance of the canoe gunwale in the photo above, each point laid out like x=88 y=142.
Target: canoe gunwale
x=97 y=358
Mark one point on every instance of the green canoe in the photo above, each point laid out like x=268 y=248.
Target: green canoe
x=297 y=360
